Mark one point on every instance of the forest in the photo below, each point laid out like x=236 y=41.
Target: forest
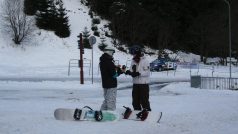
x=200 y=26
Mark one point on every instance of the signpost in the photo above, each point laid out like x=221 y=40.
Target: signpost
x=229 y=21
x=92 y=41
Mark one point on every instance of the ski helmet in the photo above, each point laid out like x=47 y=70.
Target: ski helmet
x=135 y=50
x=109 y=50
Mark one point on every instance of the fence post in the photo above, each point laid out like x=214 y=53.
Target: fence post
x=196 y=81
x=69 y=68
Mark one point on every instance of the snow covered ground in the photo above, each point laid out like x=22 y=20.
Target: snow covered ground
x=34 y=82
x=27 y=108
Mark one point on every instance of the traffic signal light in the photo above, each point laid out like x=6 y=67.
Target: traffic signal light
x=78 y=44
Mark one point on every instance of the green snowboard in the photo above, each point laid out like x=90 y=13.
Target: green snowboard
x=84 y=115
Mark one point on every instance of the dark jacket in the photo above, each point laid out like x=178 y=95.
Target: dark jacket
x=108 y=71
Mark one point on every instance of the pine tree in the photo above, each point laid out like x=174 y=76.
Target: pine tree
x=62 y=27
x=102 y=45
x=30 y=7
x=86 y=34
x=103 y=38
x=53 y=15
x=42 y=14
x=46 y=15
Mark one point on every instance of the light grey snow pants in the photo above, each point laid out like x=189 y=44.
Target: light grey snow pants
x=109 y=102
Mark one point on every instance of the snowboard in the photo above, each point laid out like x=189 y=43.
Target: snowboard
x=143 y=115
x=85 y=115
x=88 y=114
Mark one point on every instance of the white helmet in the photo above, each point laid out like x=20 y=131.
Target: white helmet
x=109 y=50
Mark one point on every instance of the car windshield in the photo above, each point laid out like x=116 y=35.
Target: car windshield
x=156 y=61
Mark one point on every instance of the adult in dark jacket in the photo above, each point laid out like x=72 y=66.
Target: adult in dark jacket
x=109 y=74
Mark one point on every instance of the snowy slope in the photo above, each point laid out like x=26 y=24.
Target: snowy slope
x=27 y=108
x=45 y=50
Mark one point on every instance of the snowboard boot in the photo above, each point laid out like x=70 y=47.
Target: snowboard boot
x=98 y=115
x=142 y=115
x=77 y=114
x=127 y=113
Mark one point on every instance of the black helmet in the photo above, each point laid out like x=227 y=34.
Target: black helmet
x=136 y=49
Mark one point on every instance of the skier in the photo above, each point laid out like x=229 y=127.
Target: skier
x=109 y=74
x=140 y=72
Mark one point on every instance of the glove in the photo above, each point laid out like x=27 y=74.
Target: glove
x=119 y=71
x=134 y=68
x=128 y=72
x=123 y=69
x=135 y=74
x=115 y=75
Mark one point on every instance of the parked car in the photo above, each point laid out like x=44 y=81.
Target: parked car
x=157 y=65
x=170 y=65
x=162 y=64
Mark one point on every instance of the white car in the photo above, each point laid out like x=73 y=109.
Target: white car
x=170 y=65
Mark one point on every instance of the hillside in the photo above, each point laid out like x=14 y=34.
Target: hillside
x=45 y=50
x=191 y=26
x=49 y=53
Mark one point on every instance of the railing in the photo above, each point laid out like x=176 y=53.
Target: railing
x=219 y=83
x=214 y=82
x=75 y=63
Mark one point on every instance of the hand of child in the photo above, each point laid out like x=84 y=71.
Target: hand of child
x=123 y=68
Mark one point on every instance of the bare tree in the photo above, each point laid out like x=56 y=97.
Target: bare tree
x=15 y=21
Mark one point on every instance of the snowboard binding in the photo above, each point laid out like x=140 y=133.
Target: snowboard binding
x=97 y=114
x=142 y=115
x=77 y=114
x=127 y=113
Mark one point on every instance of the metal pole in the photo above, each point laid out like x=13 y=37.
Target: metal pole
x=92 y=40
x=229 y=14
x=92 y=63
x=81 y=60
